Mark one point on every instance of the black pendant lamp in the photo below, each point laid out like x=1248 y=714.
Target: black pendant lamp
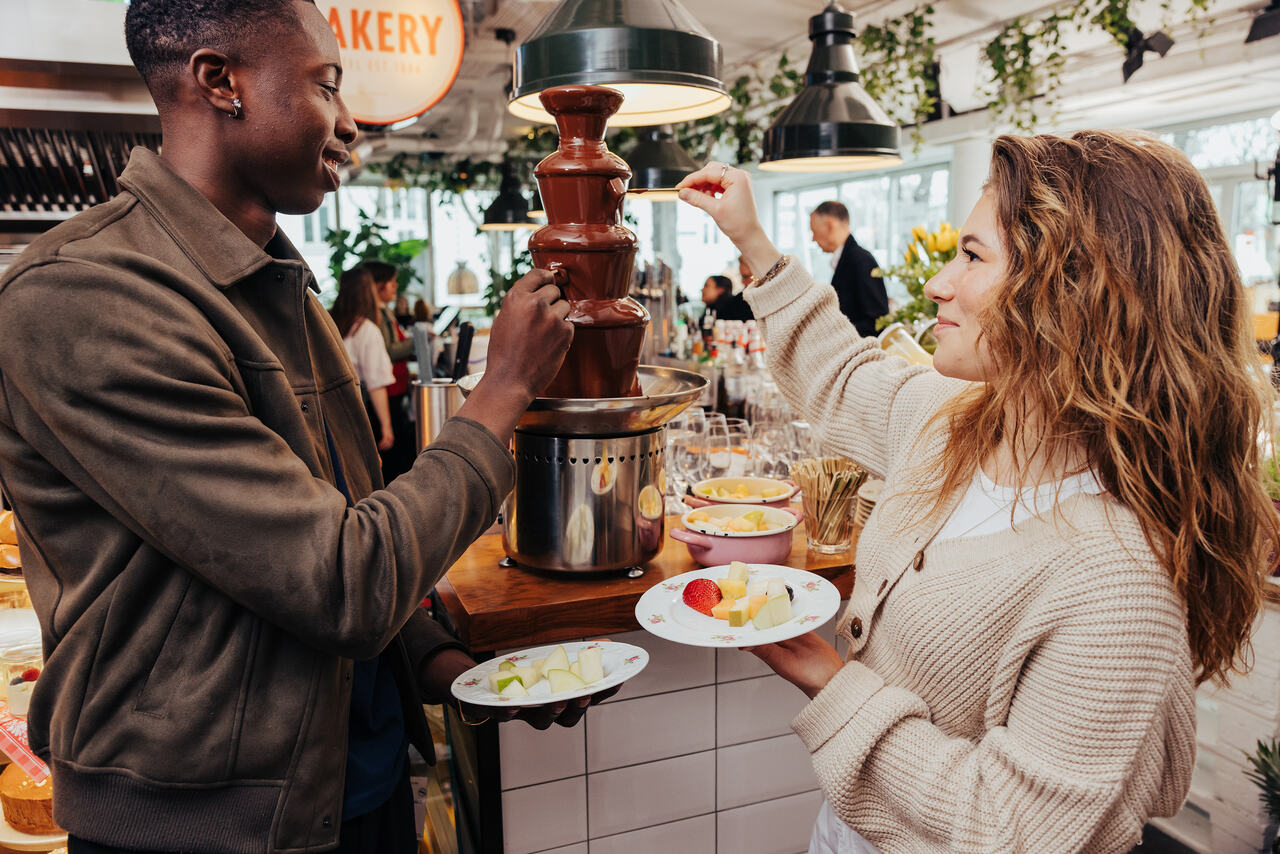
x=657 y=164
x=833 y=125
x=509 y=211
x=653 y=51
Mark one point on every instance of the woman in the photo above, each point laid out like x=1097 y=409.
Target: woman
x=355 y=311
x=1073 y=531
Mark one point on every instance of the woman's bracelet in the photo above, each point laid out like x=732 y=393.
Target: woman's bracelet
x=778 y=267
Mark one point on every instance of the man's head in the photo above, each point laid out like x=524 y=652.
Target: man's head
x=715 y=287
x=829 y=224
x=384 y=279
x=254 y=86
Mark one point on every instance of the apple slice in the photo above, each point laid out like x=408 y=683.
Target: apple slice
x=576 y=669
x=514 y=689
x=591 y=665
x=558 y=660
x=528 y=676
x=738 y=571
x=507 y=665
x=564 y=680
x=500 y=680
x=777 y=587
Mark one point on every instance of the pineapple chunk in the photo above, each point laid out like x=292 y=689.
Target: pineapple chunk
x=731 y=588
x=738 y=570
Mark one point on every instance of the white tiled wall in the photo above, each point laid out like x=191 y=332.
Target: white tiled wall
x=694 y=756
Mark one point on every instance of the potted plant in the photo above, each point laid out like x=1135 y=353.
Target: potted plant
x=1266 y=773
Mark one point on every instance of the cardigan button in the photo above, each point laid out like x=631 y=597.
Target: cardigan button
x=883 y=585
x=855 y=628
x=918 y=563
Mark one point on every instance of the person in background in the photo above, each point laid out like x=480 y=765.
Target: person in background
x=403 y=313
x=859 y=291
x=722 y=302
x=230 y=597
x=399 y=457
x=1073 y=531
x=355 y=313
x=422 y=312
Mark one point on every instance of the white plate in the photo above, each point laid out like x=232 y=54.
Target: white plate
x=621 y=661
x=662 y=611
x=10 y=837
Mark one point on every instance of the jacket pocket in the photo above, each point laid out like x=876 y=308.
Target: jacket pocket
x=167 y=674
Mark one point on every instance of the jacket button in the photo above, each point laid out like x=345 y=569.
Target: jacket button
x=279 y=277
x=883 y=585
x=306 y=407
x=918 y=563
x=326 y=822
x=855 y=628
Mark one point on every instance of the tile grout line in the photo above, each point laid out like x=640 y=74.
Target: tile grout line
x=715 y=740
x=650 y=761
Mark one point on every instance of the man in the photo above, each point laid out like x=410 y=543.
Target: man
x=862 y=296
x=399 y=457
x=228 y=598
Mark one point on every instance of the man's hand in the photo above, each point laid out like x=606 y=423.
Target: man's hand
x=530 y=335
x=526 y=347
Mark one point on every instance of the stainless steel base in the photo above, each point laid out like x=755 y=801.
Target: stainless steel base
x=585 y=504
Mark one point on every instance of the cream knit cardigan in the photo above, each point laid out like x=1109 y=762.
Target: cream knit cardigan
x=1025 y=691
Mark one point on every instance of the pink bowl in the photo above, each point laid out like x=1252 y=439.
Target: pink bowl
x=713 y=549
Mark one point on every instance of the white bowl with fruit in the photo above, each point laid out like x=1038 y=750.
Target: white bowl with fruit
x=737 y=605
x=546 y=674
x=720 y=533
x=743 y=490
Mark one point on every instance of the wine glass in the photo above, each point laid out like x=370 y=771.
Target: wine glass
x=739 y=432
x=716 y=445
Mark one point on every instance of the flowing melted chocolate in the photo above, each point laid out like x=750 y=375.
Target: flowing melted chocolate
x=583 y=185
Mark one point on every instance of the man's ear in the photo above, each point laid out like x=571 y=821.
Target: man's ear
x=211 y=72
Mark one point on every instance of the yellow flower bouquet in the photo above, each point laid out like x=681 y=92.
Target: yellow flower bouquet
x=925 y=256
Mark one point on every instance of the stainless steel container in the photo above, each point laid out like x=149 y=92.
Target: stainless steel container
x=434 y=402
x=585 y=503
x=589 y=489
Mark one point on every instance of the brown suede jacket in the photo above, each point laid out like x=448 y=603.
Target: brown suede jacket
x=201 y=584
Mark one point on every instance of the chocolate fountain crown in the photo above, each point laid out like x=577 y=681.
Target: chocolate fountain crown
x=583 y=185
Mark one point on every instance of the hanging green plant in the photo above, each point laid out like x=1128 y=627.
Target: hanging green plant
x=899 y=68
x=369 y=243
x=1026 y=59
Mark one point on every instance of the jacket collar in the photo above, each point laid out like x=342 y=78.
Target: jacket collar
x=221 y=251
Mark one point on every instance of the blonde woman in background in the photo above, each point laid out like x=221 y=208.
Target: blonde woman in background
x=356 y=312
x=1073 y=532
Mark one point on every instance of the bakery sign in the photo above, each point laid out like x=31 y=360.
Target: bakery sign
x=399 y=57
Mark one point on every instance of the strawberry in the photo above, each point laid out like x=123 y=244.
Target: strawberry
x=702 y=594
x=31 y=674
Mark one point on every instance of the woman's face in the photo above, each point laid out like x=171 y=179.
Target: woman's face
x=961 y=289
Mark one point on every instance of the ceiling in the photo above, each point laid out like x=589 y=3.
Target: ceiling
x=472 y=119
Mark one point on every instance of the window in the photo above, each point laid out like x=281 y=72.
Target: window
x=461 y=253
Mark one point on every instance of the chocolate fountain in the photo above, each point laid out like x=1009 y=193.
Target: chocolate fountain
x=589 y=481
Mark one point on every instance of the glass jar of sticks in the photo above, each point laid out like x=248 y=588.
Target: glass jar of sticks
x=829 y=489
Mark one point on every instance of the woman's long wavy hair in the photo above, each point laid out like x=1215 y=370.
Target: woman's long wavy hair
x=357 y=297
x=1121 y=330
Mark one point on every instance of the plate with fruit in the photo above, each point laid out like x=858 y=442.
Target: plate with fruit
x=547 y=674
x=737 y=605
x=744 y=490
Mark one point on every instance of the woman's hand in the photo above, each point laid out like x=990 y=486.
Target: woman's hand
x=808 y=662
x=724 y=192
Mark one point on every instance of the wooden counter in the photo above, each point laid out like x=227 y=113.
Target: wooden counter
x=496 y=608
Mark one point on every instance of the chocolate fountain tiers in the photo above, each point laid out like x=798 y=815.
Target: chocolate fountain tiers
x=583 y=185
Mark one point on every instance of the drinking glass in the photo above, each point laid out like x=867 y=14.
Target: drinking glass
x=688 y=460
x=739 y=433
x=716 y=445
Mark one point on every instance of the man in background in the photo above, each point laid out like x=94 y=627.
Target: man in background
x=862 y=296
x=400 y=348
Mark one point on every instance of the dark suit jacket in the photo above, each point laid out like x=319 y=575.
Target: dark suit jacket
x=862 y=296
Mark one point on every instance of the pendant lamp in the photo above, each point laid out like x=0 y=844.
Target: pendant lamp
x=653 y=51
x=657 y=164
x=833 y=125
x=509 y=211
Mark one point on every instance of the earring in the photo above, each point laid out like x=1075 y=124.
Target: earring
x=236 y=106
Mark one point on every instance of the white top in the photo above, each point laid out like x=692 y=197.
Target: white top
x=368 y=355
x=986 y=505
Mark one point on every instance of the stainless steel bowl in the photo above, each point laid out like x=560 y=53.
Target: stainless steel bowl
x=666 y=392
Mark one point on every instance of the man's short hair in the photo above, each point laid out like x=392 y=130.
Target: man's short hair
x=381 y=271
x=162 y=34
x=835 y=210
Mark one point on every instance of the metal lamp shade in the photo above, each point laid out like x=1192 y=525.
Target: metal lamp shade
x=654 y=52
x=509 y=211
x=657 y=164
x=1266 y=25
x=833 y=125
